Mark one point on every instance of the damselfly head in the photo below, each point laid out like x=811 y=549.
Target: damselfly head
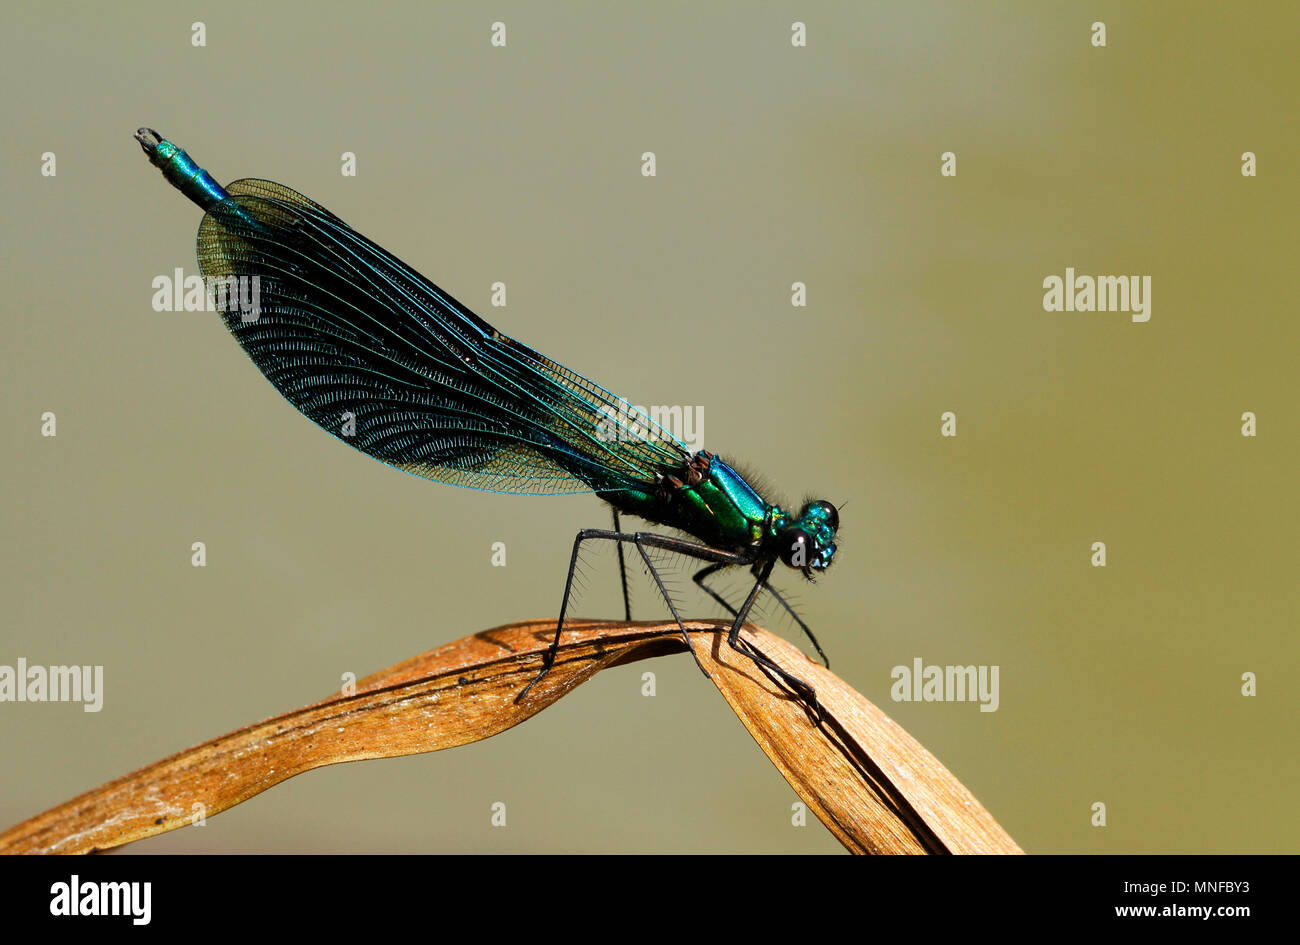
x=808 y=543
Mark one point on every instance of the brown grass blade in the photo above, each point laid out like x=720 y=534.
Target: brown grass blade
x=873 y=785
x=465 y=691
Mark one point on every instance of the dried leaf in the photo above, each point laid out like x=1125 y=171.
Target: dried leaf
x=874 y=787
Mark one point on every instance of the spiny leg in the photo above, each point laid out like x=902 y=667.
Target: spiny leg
x=672 y=608
x=641 y=540
x=622 y=572
x=761 y=572
x=801 y=688
x=699 y=577
x=548 y=658
x=797 y=619
x=713 y=568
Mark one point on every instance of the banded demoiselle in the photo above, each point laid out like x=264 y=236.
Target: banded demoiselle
x=377 y=355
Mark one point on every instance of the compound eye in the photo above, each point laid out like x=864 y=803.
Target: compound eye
x=825 y=511
x=796 y=548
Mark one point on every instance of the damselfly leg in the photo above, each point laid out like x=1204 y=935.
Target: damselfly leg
x=701 y=552
x=764 y=663
x=703 y=573
x=622 y=572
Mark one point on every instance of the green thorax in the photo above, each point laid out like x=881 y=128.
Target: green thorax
x=721 y=509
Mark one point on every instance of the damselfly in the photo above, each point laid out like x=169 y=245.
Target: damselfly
x=377 y=355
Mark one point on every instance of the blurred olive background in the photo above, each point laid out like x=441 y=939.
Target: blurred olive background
x=775 y=164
